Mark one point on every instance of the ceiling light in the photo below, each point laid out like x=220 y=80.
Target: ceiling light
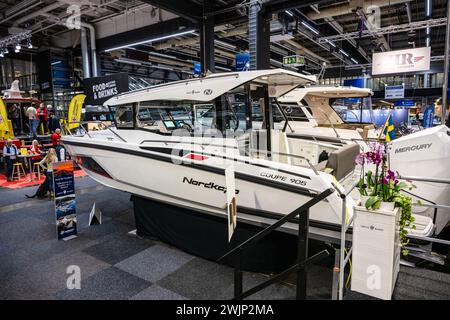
x=428 y=8
x=354 y=61
x=152 y=40
x=29 y=45
x=17 y=50
x=289 y=13
x=1 y=54
x=309 y=27
x=18 y=46
x=344 y=53
x=331 y=43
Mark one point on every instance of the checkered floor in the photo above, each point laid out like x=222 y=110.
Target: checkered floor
x=116 y=264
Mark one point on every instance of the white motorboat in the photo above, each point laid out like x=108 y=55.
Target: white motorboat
x=158 y=151
x=424 y=154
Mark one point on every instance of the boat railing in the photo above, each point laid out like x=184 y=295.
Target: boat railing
x=302 y=251
x=81 y=124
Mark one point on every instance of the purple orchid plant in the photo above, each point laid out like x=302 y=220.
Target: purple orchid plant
x=384 y=186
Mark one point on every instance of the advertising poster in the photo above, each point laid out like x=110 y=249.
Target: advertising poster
x=65 y=202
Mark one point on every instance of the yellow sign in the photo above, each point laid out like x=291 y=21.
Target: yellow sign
x=75 y=107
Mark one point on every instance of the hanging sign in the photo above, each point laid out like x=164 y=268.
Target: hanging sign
x=100 y=89
x=399 y=61
x=65 y=203
x=394 y=92
x=294 y=61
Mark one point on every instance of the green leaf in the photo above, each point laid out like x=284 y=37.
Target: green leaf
x=370 y=202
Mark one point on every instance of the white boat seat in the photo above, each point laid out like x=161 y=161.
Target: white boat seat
x=340 y=162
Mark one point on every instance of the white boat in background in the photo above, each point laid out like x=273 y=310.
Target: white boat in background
x=423 y=154
x=157 y=150
x=426 y=154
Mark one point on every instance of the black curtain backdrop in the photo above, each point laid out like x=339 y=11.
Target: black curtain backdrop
x=206 y=236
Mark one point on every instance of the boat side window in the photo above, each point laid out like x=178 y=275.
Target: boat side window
x=164 y=116
x=352 y=110
x=124 y=116
x=294 y=112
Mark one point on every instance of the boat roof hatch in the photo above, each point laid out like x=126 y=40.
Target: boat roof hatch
x=208 y=88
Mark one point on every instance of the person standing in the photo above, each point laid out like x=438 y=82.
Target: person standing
x=14 y=115
x=47 y=164
x=56 y=136
x=32 y=114
x=42 y=113
x=10 y=156
x=53 y=122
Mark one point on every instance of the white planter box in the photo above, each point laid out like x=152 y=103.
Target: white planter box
x=376 y=252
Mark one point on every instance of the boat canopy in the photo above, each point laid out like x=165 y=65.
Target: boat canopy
x=208 y=88
x=339 y=92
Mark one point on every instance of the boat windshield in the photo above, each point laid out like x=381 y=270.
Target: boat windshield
x=353 y=110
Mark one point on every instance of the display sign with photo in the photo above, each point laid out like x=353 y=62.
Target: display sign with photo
x=65 y=202
x=100 y=89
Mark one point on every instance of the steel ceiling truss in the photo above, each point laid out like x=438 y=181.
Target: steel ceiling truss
x=15 y=39
x=387 y=30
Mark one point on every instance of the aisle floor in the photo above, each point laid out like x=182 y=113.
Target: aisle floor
x=117 y=264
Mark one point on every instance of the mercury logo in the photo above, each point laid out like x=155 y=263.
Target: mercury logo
x=423 y=146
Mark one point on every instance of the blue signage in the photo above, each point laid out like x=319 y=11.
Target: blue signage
x=404 y=103
x=243 y=61
x=394 y=92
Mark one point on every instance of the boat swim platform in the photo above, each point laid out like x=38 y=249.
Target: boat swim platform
x=117 y=264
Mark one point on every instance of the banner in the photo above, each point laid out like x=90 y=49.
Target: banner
x=358 y=83
x=74 y=114
x=197 y=68
x=65 y=203
x=399 y=61
x=394 y=92
x=242 y=61
x=428 y=117
x=100 y=89
x=3 y=117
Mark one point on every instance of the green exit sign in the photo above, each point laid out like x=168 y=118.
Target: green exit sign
x=294 y=61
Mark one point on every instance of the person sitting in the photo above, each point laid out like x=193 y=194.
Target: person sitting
x=56 y=136
x=35 y=151
x=10 y=156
